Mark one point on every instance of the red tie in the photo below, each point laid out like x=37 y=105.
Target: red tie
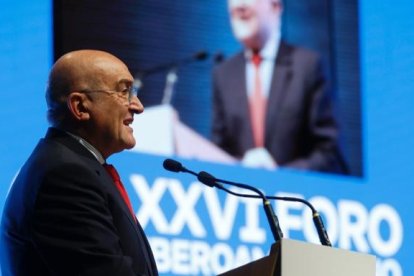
x=257 y=105
x=117 y=180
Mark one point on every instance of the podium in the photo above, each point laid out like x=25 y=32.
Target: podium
x=172 y=137
x=296 y=258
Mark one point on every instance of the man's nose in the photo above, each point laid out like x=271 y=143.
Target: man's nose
x=135 y=106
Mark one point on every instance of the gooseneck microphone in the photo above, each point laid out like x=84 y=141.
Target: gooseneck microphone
x=211 y=181
x=198 y=56
x=172 y=74
x=272 y=219
x=316 y=217
x=175 y=166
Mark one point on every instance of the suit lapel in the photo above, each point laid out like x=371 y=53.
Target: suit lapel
x=282 y=75
x=119 y=199
x=242 y=100
x=149 y=257
x=146 y=250
x=65 y=139
x=140 y=234
x=68 y=141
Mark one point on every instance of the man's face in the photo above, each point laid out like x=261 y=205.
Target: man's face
x=111 y=113
x=253 y=20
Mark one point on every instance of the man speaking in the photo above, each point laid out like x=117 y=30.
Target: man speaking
x=67 y=212
x=271 y=102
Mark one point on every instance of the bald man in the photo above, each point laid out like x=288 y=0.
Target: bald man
x=66 y=212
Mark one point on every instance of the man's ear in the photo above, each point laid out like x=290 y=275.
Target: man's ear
x=78 y=106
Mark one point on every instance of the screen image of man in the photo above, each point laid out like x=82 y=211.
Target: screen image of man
x=67 y=212
x=271 y=102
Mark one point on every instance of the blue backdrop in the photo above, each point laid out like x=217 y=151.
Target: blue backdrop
x=196 y=230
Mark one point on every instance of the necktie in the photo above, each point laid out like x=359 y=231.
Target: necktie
x=257 y=105
x=117 y=181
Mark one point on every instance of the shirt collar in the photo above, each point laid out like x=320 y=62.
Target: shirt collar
x=269 y=51
x=89 y=147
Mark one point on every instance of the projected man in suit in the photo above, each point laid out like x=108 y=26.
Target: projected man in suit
x=67 y=213
x=271 y=104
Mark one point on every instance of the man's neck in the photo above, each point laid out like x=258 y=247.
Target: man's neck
x=93 y=150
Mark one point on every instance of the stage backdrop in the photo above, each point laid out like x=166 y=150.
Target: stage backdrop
x=150 y=33
x=198 y=230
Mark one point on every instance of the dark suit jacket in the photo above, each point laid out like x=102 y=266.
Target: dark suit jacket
x=64 y=216
x=300 y=128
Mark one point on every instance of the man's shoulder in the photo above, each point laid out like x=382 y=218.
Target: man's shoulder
x=55 y=153
x=233 y=61
x=52 y=164
x=48 y=156
x=51 y=151
x=296 y=52
x=285 y=49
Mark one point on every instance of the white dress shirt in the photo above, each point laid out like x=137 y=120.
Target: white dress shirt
x=268 y=54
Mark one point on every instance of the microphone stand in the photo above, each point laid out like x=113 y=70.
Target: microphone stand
x=172 y=75
x=211 y=181
x=171 y=80
x=270 y=214
x=204 y=177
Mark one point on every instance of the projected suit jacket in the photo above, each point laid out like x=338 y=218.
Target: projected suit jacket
x=64 y=216
x=300 y=128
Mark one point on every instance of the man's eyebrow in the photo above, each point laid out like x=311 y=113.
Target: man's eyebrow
x=127 y=82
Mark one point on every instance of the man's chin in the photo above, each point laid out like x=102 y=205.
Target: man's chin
x=243 y=31
x=129 y=144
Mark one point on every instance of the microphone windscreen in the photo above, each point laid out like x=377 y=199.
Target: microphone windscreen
x=202 y=55
x=206 y=178
x=172 y=165
x=218 y=58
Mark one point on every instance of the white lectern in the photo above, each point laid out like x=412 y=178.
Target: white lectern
x=159 y=131
x=295 y=258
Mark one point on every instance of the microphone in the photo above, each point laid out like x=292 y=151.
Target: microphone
x=211 y=181
x=172 y=75
x=219 y=58
x=316 y=217
x=175 y=166
x=272 y=219
x=197 y=56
